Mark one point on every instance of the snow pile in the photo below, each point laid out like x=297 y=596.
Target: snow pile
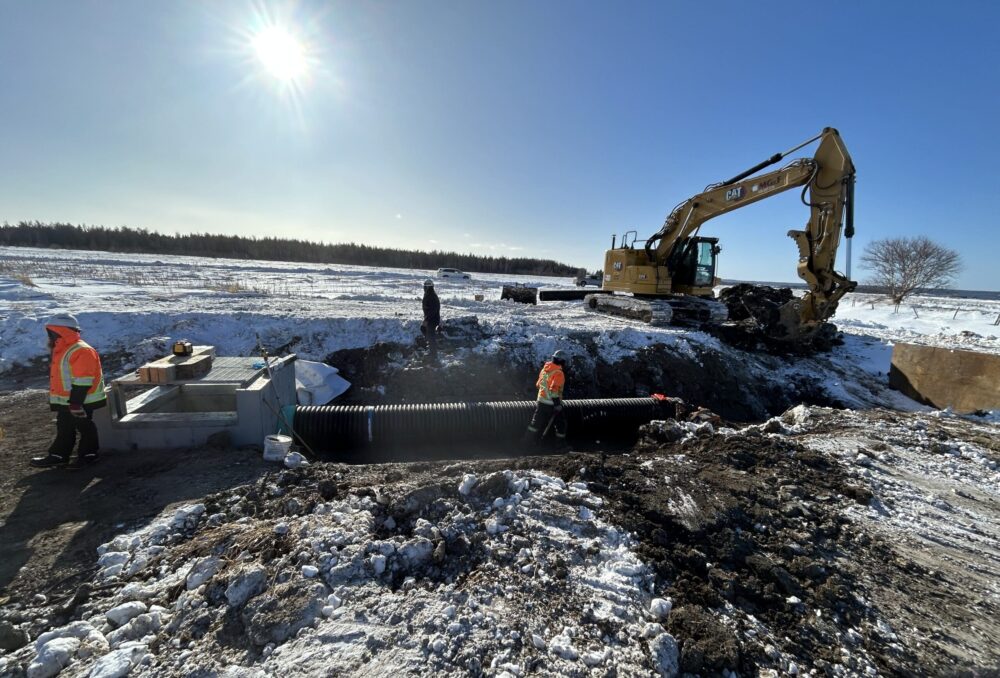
x=508 y=573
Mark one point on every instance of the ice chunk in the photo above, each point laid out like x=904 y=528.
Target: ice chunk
x=54 y=656
x=295 y=460
x=493 y=527
x=562 y=645
x=118 y=663
x=468 y=482
x=202 y=571
x=665 y=655
x=111 y=558
x=660 y=607
x=597 y=657
x=124 y=613
x=245 y=585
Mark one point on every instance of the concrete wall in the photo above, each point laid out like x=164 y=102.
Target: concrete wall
x=962 y=380
x=165 y=417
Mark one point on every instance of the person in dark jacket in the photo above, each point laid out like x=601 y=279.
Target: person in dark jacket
x=431 y=326
x=76 y=389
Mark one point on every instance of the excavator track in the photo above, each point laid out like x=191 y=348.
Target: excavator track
x=675 y=310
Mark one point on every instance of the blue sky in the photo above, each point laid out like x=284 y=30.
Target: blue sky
x=511 y=128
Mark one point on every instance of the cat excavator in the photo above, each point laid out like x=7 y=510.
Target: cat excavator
x=671 y=276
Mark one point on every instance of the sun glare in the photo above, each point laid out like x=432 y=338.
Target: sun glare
x=280 y=53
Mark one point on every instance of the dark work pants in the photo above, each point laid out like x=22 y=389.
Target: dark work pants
x=66 y=428
x=432 y=346
x=544 y=413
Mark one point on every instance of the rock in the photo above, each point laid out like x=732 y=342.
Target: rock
x=538 y=641
x=53 y=657
x=494 y=485
x=245 y=584
x=281 y=528
x=124 y=613
x=277 y=616
x=662 y=431
x=11 y=637
x=309 y=571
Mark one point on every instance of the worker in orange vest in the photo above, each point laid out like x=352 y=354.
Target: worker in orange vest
x=76 y=389
x=548 y=406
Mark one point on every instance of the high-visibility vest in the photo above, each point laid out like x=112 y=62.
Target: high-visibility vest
x=550 y=383
x=74 y=363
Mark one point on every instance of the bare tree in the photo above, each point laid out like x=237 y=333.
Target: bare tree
x=901 y=266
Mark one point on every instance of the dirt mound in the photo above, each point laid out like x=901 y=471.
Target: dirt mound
x=754 y=312
x=703 y=551
x=757 y=302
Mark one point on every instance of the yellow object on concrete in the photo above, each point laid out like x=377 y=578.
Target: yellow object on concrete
x=965 y=381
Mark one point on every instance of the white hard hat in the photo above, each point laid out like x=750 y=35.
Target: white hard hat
x=63 y=320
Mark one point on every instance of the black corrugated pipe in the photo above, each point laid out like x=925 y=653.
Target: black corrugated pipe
x=348 y=431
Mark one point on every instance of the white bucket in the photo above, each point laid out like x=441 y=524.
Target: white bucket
x=276 y=447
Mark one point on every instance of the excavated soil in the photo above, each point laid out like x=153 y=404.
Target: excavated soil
x=778 y=557
x=736 y=389
x=848 y=543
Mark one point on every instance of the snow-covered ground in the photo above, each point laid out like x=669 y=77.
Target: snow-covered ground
x=135 y=302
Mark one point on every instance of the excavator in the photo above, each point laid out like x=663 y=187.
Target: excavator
x=672 y=275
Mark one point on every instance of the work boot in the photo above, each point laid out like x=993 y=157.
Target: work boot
x=49 y=461
x=84 y=460
x=560 y=446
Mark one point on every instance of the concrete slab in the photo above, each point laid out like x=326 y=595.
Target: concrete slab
x=965 y=381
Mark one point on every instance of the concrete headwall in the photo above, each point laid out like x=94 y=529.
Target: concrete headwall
x=962 y=380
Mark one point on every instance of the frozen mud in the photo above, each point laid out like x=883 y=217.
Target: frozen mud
x=832 y=542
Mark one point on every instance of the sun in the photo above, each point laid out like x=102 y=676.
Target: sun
x=281 y=54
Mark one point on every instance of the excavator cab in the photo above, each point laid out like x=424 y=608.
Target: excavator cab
x=693 y=264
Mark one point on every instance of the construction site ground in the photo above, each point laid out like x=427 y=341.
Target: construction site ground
x=836 y=541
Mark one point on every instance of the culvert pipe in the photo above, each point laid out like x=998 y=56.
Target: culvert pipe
x=336 y=430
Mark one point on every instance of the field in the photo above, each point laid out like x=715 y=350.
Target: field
x=828 y=524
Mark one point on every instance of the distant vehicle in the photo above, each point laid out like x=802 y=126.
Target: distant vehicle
x=453 y=273
x=596 y=280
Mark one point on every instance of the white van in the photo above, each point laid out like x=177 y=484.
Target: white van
x=453 y=273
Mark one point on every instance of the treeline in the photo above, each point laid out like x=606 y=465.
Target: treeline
x=141 y=240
